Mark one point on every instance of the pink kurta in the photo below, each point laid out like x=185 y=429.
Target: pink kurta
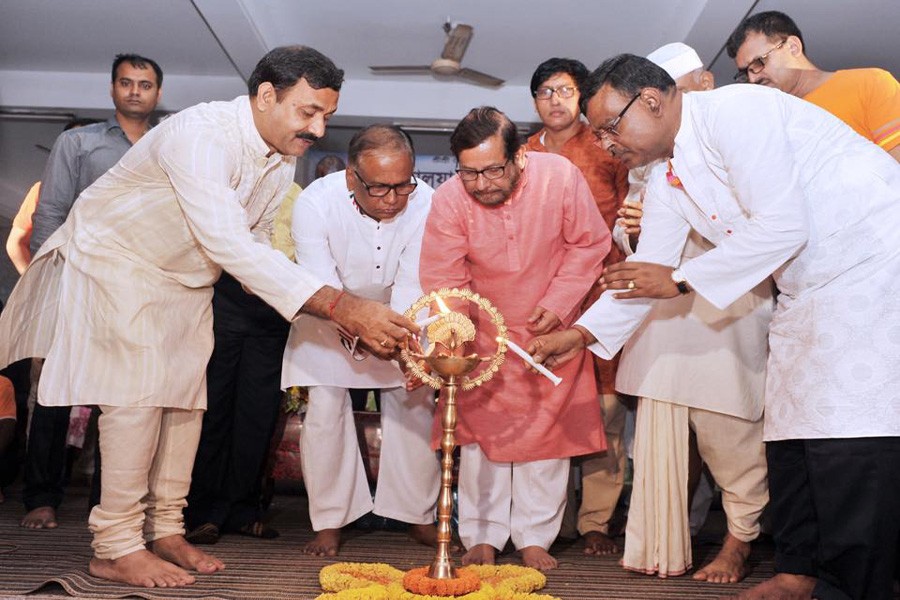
x=543 y=247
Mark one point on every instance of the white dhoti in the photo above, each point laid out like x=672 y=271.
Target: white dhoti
x=657 y=536
x=519 y=501
x=148 y=454
x=333 y=471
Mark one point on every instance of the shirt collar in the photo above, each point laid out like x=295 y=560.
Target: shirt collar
x=685 y=136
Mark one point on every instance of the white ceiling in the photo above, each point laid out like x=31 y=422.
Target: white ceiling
x=55 y=54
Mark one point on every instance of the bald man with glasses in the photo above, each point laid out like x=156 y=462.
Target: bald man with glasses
x=554 y=87
x=361 y=231
x=768 y=49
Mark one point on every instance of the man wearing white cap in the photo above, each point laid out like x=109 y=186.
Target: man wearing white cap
x=696 y=370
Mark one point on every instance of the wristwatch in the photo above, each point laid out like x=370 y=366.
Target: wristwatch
x=680 y=281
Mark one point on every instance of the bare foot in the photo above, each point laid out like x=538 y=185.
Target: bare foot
x=141 y=568
x=42 y=517
x=783 y=586
x=538 y=558
x=427 y=536
x=729 y=565
x=177 y=550
x=599 y=543
x=326 y=543
x=480 y=554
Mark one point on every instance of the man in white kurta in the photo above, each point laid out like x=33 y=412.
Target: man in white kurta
x=118 y=300
x=368 y=244
x=781 y=188
x=695 y=368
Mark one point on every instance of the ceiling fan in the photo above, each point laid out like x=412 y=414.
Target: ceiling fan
x=458 y=38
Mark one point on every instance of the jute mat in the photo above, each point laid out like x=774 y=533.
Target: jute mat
x=53 y=563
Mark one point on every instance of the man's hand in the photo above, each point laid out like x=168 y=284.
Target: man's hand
x=379 y=328
x=639 y=280
x=542 y=321
x=557 y=348
x=630 y=217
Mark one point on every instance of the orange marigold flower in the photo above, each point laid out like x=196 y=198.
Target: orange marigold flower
x=418 y=582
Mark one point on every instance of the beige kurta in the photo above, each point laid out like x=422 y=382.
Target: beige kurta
x=118 y=299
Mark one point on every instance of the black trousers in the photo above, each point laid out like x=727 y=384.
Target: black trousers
x=45 y=458
x=835 y=507
x=244 y=397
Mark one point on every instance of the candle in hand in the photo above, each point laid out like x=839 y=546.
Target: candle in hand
x=527 y=358
x=426 y=322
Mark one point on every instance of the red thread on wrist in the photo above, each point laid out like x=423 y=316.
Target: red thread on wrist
x=333 y=305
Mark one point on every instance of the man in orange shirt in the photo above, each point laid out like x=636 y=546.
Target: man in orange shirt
x=768 y=49
x=554 y=87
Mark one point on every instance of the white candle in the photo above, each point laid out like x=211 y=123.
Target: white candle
x=527 y=358
x=426 y=322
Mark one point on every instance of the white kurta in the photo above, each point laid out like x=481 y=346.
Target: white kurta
x=691 y=353
x=118 y=299
x=782 y=187
x=378 y=260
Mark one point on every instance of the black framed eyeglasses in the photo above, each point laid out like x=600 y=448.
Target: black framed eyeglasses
x=495 y=172
x=756 y=65
x=610 y=129
x=380 y=190
x=563 y=91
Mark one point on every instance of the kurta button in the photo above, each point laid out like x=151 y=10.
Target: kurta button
x=714 y=217
x=728 y=231
x=377 y=266
x=379 y=247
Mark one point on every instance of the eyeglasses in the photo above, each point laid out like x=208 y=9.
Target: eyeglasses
x=495 y=172
x=756 y=65
x=563 y=91
x=610 y=129
x=380 y=190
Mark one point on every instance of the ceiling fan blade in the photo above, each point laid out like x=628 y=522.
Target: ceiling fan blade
x=457 y=41
x=480 y=78
x=402 y=70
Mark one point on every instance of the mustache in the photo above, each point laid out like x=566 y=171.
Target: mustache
x=308 y=136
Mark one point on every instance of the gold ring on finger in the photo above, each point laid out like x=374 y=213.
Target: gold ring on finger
x=631 y=285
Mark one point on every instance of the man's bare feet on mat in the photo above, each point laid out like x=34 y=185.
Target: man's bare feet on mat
x=141 y=568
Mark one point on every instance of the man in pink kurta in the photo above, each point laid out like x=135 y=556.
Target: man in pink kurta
x=523 y=231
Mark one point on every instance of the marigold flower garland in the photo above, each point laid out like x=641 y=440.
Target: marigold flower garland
x=418 y=582
x=378 y=581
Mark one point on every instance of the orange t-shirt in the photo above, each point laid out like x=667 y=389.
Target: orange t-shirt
x=7 y=399
x=868 y=100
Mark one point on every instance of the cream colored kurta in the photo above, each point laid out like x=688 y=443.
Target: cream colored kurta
x=378 y=260
x=782 y=187
x=118 y=299
x=691 y=353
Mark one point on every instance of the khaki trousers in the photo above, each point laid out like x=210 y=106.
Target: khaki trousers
x=603 y=474
x=657 y=537
x=148 y=454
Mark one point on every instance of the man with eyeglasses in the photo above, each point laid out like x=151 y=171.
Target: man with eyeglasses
x=768 y=49
x=774 y=200
x=554 y=87
x=699 y=375
x=521 y=229
x=360 y=230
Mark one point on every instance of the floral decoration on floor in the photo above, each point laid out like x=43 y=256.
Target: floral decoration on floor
x=379 y=581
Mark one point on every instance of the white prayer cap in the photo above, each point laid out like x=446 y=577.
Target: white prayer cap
x=677 y=59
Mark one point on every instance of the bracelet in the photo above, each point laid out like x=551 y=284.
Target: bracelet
x=584 y=337
x=333 y=305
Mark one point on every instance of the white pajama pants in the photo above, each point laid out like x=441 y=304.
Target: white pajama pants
x=521 y=501
x=148 y=454
x=333 y=471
